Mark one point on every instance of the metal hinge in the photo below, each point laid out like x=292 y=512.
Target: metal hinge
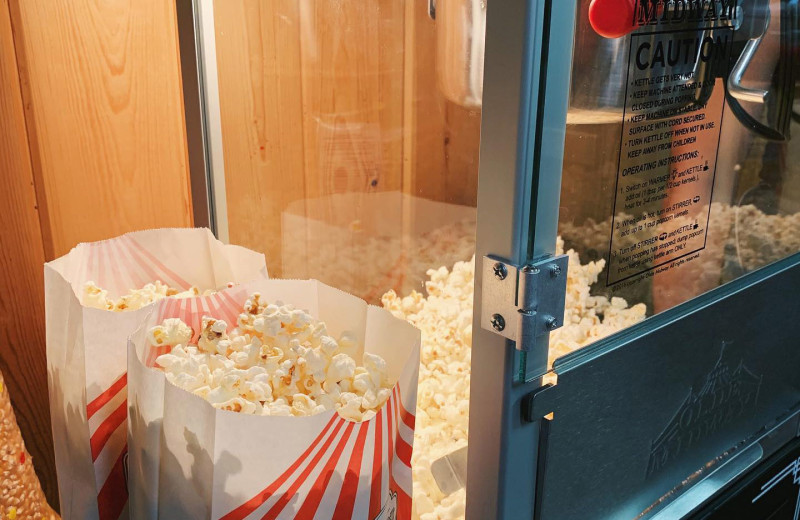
x=524 y=303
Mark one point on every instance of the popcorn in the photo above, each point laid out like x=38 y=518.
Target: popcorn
x=97 y=298
x=739 y=239
x=172 y=332
x=341 y=367
x=303 y=405
x=213 y=336
x=386 y=266
x=445 y=318
x=21 y=494
x=278 y=407
x=278 y=360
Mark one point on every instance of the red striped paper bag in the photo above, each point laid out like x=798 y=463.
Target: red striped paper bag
x=87 y=354
x=191 y=460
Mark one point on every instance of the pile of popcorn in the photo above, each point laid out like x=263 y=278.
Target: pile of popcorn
x=278 y=360
x=365 y=265
x=96 y=297
x=760 y=238
x=445 y=318
x=740 y=238
x=589 y=318
x=21 y=495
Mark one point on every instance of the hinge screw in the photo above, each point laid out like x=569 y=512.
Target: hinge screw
x=530 y=269
x=555 y=270
x=500 y=270
x=498 y=322
x=551 y=323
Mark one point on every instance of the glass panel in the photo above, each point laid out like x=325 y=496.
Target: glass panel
x=344 y=160
x=350 y=136
x=680 y=172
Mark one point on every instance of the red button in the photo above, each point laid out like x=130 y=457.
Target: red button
x=612 y=18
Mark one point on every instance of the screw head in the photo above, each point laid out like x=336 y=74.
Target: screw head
x=551 y=323
x=498 y=322
x=500 y=270
x=532 y=269
x=555 y=270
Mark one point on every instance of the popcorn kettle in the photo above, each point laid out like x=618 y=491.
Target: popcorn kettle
x=603 y=52
x=460 y=39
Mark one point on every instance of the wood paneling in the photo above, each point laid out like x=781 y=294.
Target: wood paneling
x=327 y=97
x=444 y=146
x=22 y=332
x=258 y=55
x=311 y=105
x=102 y=89
x=425 y=109
x=352 y=75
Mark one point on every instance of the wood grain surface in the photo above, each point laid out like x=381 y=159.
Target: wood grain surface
x=444 y=143
x=261 y=103
x=22 y=332
x=311 y=101
x=321 y=98
x=352 y=73
x=101 y=82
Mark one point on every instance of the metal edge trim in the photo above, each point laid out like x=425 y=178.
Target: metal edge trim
x=207 y=60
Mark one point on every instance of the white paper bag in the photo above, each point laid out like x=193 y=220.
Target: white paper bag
x=191 y=460
x=86 y=349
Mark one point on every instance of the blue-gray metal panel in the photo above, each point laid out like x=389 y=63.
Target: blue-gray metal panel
x=640 y=413
x=704 y=491
x=493 y=483
x=515 y=178
x=546 y=142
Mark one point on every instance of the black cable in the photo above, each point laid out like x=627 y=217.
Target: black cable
x=749 y=121
x=784 y=83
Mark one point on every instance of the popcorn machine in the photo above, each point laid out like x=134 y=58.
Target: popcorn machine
x=591 y=209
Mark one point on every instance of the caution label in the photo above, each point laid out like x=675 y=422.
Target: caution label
x=670 y=136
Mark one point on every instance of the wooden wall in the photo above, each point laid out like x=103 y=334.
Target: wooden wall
x=443 y=137
x=327 y=97
x=92 y=145
x=102 y=85
x=21 y=278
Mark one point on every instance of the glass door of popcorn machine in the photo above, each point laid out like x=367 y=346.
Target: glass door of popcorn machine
x=591 y=209
x=674 y=370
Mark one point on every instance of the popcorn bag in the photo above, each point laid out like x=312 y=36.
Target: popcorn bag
x=87 y=346
x=190 y=458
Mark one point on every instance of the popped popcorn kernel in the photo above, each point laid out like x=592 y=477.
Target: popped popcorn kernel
x=212 y=333
x=172 y=332
x=98 y=298
x=278 y=360
x=94 y=296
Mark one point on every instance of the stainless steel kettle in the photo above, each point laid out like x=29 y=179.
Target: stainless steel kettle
x=601 y=65
x=460 y=42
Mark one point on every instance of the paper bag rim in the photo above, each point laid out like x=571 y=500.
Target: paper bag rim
x=53 y=264
x=413 y=356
